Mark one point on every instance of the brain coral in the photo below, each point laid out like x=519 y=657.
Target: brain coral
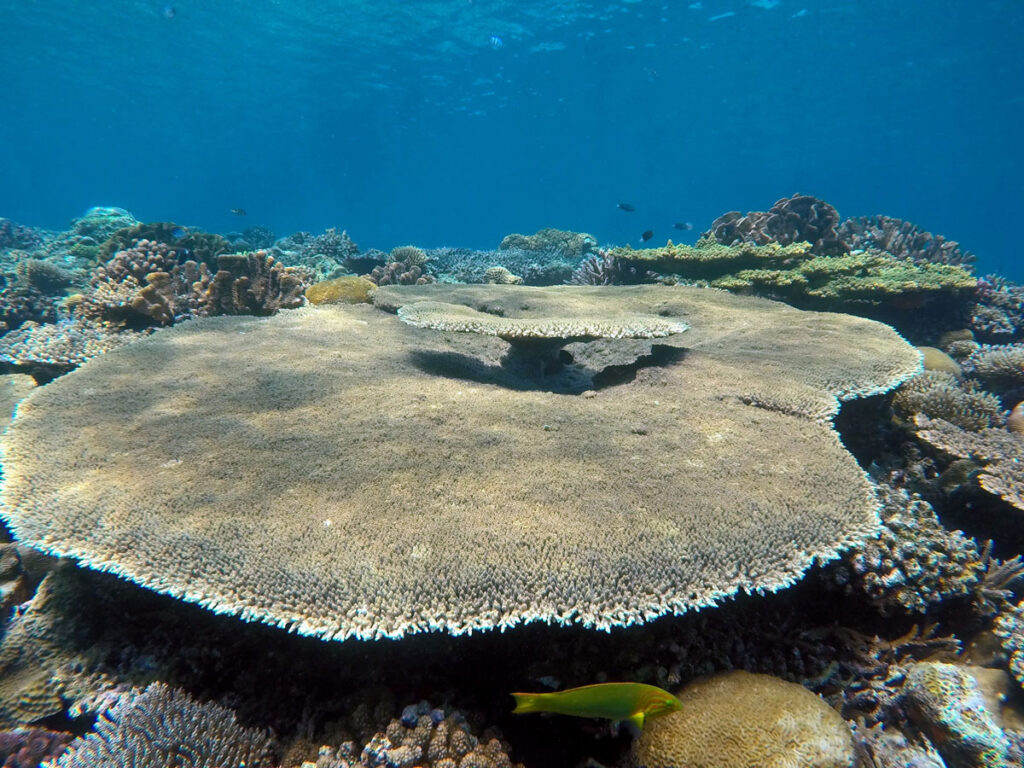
x=246 y=464
x=741 y=720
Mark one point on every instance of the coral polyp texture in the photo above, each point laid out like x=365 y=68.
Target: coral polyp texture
x=163 y=726
x=260 y=466
x=738 y=720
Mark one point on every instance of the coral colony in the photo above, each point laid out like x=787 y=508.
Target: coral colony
x=283 y=501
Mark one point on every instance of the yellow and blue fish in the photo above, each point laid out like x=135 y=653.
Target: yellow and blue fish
x=616 y=701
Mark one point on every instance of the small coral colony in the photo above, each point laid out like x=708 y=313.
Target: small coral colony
x=280 y=501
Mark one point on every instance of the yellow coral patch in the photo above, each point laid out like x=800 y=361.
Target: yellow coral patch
x=341 y=290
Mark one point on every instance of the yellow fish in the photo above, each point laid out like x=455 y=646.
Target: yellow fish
x=616 y=701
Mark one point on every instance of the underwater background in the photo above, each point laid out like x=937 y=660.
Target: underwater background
x=456 y=122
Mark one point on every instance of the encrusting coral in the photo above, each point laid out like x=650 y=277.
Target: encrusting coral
x=264 y=479
x=738 y=719
x=162 y=726
x=346 y=290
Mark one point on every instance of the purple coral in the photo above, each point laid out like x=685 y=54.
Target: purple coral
x=903 y=240
x=796 y=219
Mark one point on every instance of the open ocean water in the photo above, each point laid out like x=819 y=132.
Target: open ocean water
x=458 y=121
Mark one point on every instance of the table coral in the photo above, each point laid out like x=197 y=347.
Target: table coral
x=738 y=719
x=265 y=479
x=55 y=348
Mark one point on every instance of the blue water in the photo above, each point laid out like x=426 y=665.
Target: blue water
x=454 y=122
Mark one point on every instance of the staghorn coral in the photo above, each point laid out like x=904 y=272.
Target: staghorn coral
x=914 y=564
x=999 y=367
x=903 y=240
x=327 y=544
x=570 y=245
x=796 y=219
x=999 y=451
x=501 y=276
x=738 y=719
x=163 y=726
x=940 y=395
x=55 y=348
x=945 y=702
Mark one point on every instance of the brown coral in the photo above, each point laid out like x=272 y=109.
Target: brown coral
x=738 y=719
x=941 y=395
x=279 y=490
x=252 y=284
x=796 y=219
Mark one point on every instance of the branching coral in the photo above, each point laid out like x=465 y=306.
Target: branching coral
x=999 y=367
x=406 y=265
x=915 y=563
x=998 y=314
x=55 y=348
x=941 y=395
x=903 y=240
x=163 y=726
x=1009 y=627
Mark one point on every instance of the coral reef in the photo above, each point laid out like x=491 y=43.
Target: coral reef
x=28 y=747
x=515 y=475
x=914 y=564
x=202 y=247
x=794 y=273
x=738 y=719
x=146 y=285
x=796 y=219
x=14 y=235
x=999 y=451
x=464 y=265
x=1009 y=627
x=998 y=314
x=43 y=276
x=431 y=740
x=328 y=256
x=346 y=290
x=941 y=395
x=49 y=350
x=20 y=304
x=903 y=240
x=945 y=702
x=14 y=387
x=406 y=265
x=501 y=276
x=1000 y=367
x=162 y=726
x=571 y=245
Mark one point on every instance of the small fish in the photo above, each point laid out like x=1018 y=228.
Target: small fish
x=627 y=207
x=647 y=235
x=616 y=701
x=178 y=232
x=239 y=211
x=497 y=43
x=169 y=12
x=686 y=226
